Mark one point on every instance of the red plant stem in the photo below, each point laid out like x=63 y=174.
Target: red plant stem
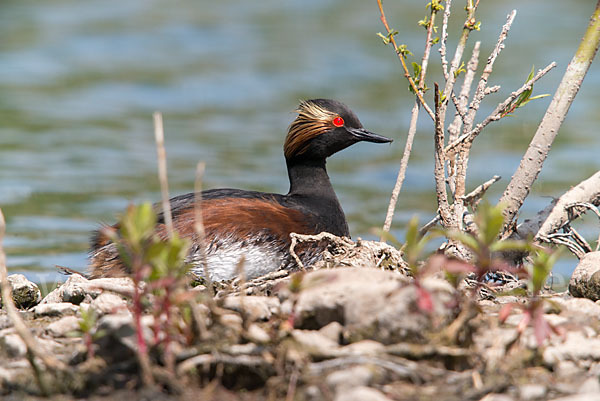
x=167 y=341
x=137 y=312
x=87 y=338
x=407 y=75
x=156 y=328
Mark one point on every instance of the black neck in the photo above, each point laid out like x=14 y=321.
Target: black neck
x=310 y=186
x=309 y=178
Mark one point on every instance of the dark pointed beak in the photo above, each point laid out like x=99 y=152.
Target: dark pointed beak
x=363 y=135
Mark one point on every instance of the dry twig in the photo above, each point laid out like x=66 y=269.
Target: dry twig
x=162 y=171
x=33 y=348
x=497 y=114
x=475 y=195
x=451 y=75
x=403 y=61
x=480 y=92
x=461 y=111
x=412 y=128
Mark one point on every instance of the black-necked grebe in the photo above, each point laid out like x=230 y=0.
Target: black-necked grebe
x=257 y=225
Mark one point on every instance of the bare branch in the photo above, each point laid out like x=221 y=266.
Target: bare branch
x=461 y=108
x=462 y=156
x=567 y=240
x=412 y=126
x=299 y=238
x=439 y=174
x=444 y=39
x=480 y=92
x=454 y=66
x=418 y=92
x=427 y=51
x=497 y=114
x=432 y=223
x=587 y=191
x=412 y=130
x=463 y=97
x=491 y=89
x=533 y=160
x=475 y=195
x=585 y=205
x=399 y=366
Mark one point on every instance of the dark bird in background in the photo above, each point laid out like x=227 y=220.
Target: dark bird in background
x=257 y=225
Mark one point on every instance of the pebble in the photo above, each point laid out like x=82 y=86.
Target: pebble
x=370 y=303
x=232 y=321
x=25 y=294
x=575 y=347
x=364 y=347
x=63 y=327
x=256 y=307
x=579 y=397
x=361 y=393
x=332 y=331
x=108 y=302
x=12 y=344
x=591 y=385
x=355 y=376
x=78 y=289
x=56 y=295
x=350 y=314
x=579 y=306
x=55 y=309
x=497 y=397
x=585 y=280
x=315 y=343
x=15 y=373
x=118 y=332
x=257 y=334
x=532 y=392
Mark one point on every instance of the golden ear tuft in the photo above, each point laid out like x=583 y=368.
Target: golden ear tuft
x=312 y=121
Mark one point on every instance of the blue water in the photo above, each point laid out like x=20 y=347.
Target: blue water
x=79 y=82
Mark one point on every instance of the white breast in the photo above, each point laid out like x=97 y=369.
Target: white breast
x=226 y=262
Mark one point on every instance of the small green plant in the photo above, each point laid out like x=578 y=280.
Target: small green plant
x=483 y=241
x=158 y=268
x=88 y=320
x=413 y=248
x=533 y=310
x=387 y=38
x=524 y=97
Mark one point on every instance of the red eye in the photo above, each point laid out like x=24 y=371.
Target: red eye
x=338 y=121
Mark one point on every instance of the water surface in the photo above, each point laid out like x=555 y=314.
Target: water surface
x=80 y=80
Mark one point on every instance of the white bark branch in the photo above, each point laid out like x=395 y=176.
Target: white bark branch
x=533 y=160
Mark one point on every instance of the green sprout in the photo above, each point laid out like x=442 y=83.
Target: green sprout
x=403 y=51
x=460 y=70
x=524 y=97
x=88 y=320
x=435 y=6
x=387 y=38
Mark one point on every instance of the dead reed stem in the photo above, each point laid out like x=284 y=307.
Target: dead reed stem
x=159 y=135
x=33 y=348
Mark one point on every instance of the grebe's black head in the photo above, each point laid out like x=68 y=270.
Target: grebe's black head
x=322 y=128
